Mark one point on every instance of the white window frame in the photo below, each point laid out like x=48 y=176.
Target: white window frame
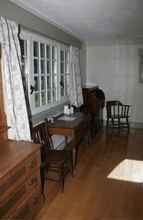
x=30 y=38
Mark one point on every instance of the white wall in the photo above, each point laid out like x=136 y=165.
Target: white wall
x=115 y=68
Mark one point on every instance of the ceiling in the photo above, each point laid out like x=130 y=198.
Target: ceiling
x=92 y=20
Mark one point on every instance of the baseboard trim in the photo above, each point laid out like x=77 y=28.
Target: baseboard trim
x=132 y=124
x=136 y=125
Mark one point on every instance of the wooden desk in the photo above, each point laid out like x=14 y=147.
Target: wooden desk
x=77 y=129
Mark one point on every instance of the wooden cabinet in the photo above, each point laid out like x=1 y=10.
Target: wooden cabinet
x=94 y=101
x=20 y=183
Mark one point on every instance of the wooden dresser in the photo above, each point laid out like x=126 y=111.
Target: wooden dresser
x=20 y=184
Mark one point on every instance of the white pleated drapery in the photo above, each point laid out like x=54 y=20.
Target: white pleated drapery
x=74 y=82
x=14 y=98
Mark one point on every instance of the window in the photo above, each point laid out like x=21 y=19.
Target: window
x=46 y=65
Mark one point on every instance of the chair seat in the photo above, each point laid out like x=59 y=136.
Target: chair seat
x=56 y=157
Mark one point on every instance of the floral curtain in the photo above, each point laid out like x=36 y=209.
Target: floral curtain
x=14 y=98
x=74 y=84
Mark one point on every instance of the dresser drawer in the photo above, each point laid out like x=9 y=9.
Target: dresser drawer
x=33 y=163
x=35 y=203
x=12 y=181
x=29 y=208
x=34 y=181
x=7 y=205
x=23 y=214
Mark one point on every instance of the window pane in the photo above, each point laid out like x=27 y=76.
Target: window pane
x=62 y=85
x=35 y=49
x=48 y=96
x=42 y=82
x=62 y=91
x=66 y=62
x=36 y=66
x=67 y=68
x=36 y=85
x=48 y=66
x=62 y=55
x=67 y=80
x=43 y=98
x=62 y=67
x=37 y=99
x=54 y=87
x=48 y=51
x=42 y=50
x=42 y=66
x=48 y=82
x=62 y=81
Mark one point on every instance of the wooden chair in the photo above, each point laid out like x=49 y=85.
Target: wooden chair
x=117 y=115
x=55 y=161
x=61 y=142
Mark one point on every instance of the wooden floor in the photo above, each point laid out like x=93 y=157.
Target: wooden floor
x=107 y=184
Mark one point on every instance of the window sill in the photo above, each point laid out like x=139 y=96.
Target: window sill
x=50 y=112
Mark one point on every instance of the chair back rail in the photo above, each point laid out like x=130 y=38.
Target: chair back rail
x=41 y=135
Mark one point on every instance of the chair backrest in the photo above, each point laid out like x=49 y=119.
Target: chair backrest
x=124 y=111
x=41 y=135
x=117 y=109
x=50 y=141
x=112 y=108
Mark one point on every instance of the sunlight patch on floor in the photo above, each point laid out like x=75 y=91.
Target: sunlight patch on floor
x=128 y=170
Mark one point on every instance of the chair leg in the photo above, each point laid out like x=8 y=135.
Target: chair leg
x=71 y=163
x=42 y=173
x=112 y=123
x=128 y=125
x=107 y=123
x=62 y=178
x=76 y=155
x=119 y=124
